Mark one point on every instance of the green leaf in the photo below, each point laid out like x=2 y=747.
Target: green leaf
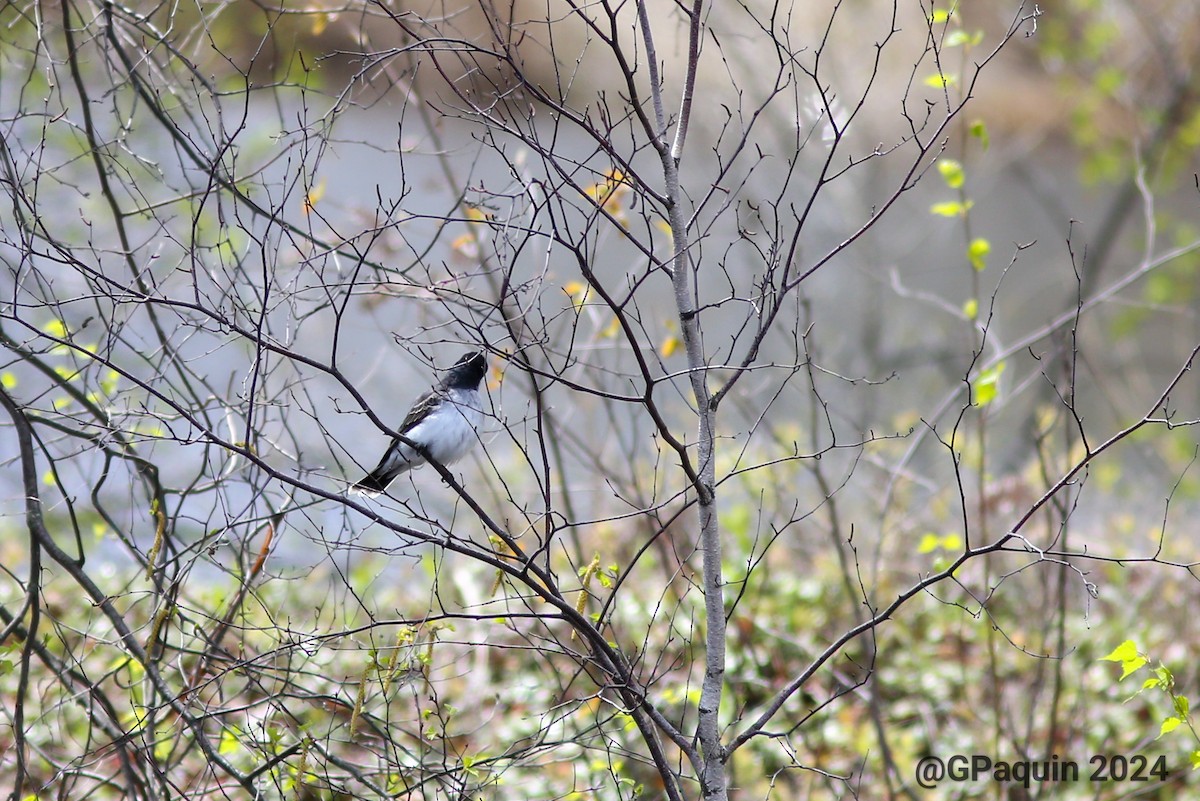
x=1182 y=706
x=1165 y=677
x=1169 y=725
x=8 y=380
x=1132 y=666
x=940 y=80
x=951 y=208
x=1122 y=653
x=226 y=253
x=971 y=309
x=987 y=385
x=952 y=172
x=1109 y=80
x=977 y=252
x=940 y=16
x=1160 y=289
x=929 y=543
x=979 y=131
x=1194 y=759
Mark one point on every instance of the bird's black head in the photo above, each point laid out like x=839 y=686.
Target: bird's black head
x=467 y=372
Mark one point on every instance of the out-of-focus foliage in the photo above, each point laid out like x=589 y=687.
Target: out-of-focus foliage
x=215 y=305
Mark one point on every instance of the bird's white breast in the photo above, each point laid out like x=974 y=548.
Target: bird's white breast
x=451 y=430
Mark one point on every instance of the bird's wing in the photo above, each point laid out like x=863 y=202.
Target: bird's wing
x=420 y=410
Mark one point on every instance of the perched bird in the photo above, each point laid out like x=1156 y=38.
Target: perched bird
x=443 y=421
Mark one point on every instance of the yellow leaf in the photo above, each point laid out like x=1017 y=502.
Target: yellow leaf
x=598 y=192
x=987 y=385
x=590 y=705
x=951 y=208
x=578 y=292
x=612 y=330
x=321 y=22
x=669 y=346
x=952 y=172
x=8 y=380
x=229 y=742
x=166 y=744
x=477 y=215
x=1124 y=652
x=610 y=194
x=466 y=245
x=313 y=196
x=977 y=252
x=56 y=328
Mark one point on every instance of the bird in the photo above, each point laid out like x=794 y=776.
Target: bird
x=444 y=421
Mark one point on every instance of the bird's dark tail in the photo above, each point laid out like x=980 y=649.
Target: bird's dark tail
x=369 y=485
x=375 y=482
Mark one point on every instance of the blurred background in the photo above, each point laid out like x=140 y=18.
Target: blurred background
x=241 y=240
